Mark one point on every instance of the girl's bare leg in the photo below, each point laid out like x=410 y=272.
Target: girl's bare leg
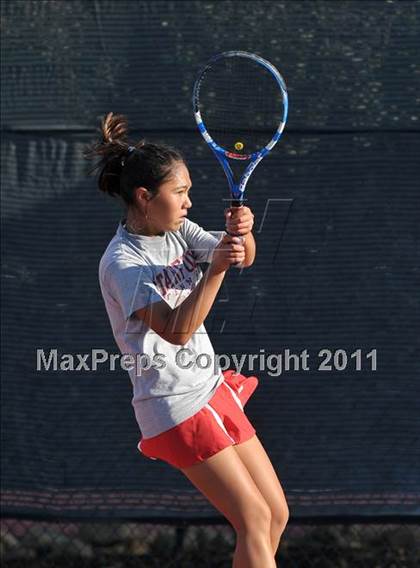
x=226 y=482
x=257 y=462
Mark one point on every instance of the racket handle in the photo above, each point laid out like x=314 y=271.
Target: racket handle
x=236 y=203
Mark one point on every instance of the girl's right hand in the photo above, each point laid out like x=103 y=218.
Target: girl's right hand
x=229 y=251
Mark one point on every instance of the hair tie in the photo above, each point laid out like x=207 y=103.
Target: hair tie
x=129 y=150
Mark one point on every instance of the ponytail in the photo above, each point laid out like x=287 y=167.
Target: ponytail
x=123 y=166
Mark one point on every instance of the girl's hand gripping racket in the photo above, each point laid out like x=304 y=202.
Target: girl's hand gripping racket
x=240 y=105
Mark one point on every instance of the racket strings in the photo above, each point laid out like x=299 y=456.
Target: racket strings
x=241 y=104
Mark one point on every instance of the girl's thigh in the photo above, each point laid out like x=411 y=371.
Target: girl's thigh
x=262 y=472
x=226 y=482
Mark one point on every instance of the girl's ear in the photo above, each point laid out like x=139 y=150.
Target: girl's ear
x=142 y=192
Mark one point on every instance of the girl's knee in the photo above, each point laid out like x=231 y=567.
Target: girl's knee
x=257 y=518
x=280 y=516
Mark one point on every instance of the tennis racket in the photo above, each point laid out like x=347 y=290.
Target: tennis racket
x=240 y=105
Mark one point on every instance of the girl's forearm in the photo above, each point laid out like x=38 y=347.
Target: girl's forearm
x=188 y=316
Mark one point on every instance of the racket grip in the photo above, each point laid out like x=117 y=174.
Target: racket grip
x=236 y=203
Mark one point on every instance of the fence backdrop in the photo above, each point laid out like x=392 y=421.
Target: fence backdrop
x=341 y=274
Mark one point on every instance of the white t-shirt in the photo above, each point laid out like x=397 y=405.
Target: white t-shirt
x=170 y=382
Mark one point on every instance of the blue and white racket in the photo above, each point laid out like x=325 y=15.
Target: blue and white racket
x=240 y=105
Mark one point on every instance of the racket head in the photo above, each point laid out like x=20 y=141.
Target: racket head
x=240 y=104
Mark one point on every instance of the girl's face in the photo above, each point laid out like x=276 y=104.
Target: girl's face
x=167 y=210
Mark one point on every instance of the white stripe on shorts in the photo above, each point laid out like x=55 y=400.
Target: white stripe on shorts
x=219 y=421
x=235 y=396
x=139 y=447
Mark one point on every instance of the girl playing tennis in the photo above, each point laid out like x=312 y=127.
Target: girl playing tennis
x=190 y=414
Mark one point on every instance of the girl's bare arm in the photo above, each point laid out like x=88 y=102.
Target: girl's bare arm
x=178 y=325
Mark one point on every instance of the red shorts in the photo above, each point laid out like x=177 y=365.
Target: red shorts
x=219 y=424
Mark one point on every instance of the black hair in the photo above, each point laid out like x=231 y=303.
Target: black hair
x=123 y=166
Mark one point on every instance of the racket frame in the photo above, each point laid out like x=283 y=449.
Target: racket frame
x=238 y=189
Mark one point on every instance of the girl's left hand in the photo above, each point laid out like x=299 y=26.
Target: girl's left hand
x=239 y=220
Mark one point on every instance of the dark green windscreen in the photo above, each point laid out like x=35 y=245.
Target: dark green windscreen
x=341 y=274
